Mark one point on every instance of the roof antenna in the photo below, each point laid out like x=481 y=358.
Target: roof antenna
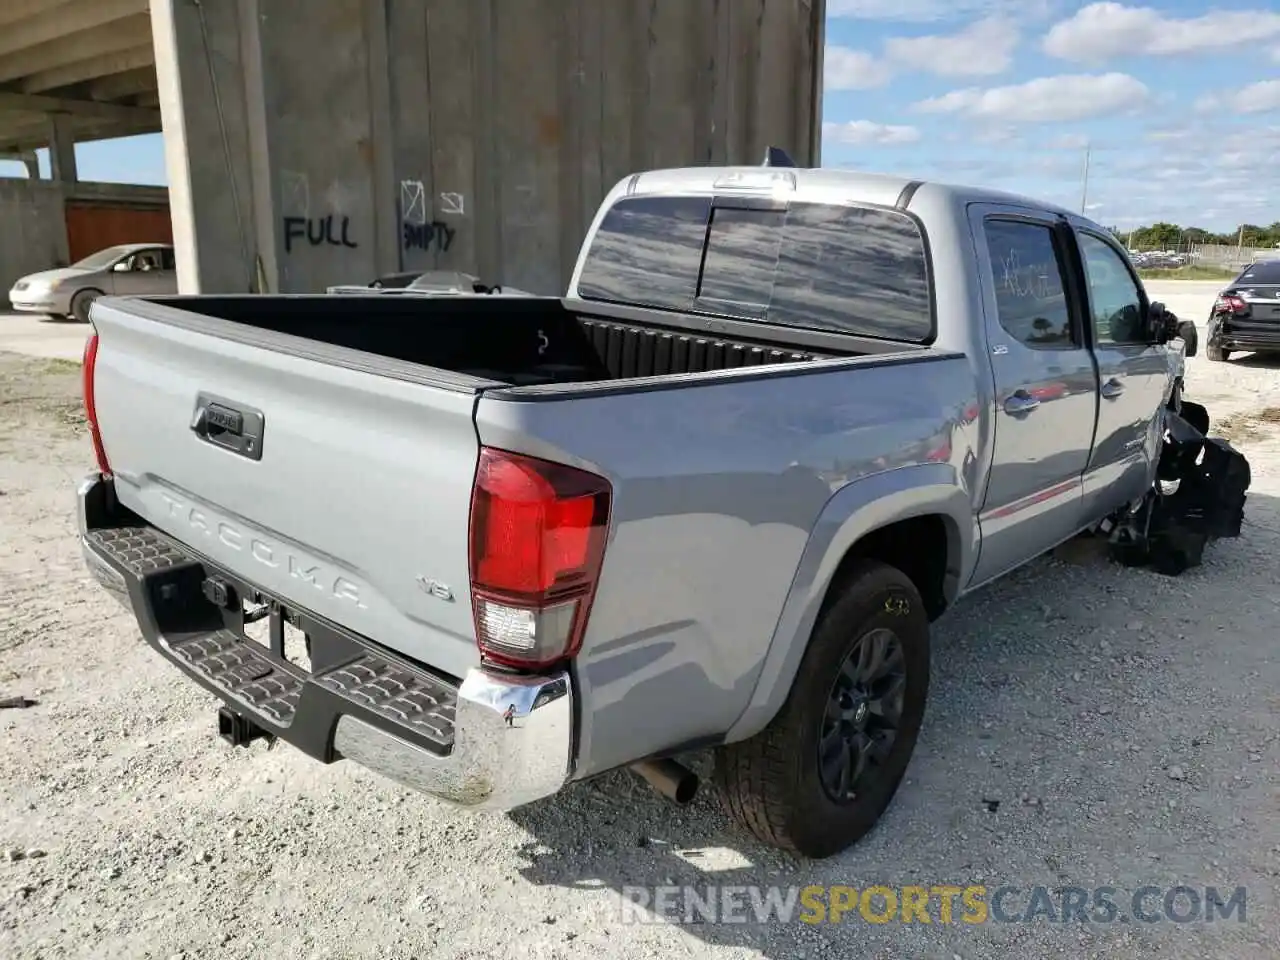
x=777 y=157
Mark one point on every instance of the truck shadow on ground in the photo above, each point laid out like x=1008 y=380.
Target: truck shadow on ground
x=1050 y=726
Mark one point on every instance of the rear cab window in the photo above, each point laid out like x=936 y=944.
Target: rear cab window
x=831 y=268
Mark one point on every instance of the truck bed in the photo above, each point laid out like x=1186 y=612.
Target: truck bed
x=511 y=341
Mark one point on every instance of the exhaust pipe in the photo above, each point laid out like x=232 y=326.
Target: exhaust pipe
x=673 y=780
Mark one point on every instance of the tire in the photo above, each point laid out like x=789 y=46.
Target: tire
x=81 y=303
x=1216 y=353
x=772 y=783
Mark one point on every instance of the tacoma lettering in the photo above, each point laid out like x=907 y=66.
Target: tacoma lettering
x=266 y=554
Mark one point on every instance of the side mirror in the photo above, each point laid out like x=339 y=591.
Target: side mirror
x=1159 y=327
x=121 y=267
x=1189 y=335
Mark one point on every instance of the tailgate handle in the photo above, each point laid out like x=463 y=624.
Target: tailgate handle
x=229 y=425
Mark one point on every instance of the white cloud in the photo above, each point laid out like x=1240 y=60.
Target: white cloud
x=866 y=132
x=1163 y=173
x=845 y=69
x=981 y=49
x=1069 y=141
x=931 y=11
x=1046 y=99
x=1146 y=175
x=993 y=135
x=1260 y=97
x=1108 y=31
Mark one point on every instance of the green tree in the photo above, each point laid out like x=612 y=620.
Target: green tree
x=1158 y=236
x=1170 y=236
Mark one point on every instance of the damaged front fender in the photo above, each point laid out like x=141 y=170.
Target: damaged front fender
x=1199 y=494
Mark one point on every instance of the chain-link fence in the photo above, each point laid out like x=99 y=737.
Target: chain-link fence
x=1228 y=255
x=1214 y=256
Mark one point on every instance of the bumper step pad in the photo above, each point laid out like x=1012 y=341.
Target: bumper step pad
x=139 y=550
x=393 y=693
x=241 y=672
x=303 y=708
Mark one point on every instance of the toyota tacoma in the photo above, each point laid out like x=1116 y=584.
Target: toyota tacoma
x=712 y=498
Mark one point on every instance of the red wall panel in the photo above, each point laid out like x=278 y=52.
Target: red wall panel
x=93 y=226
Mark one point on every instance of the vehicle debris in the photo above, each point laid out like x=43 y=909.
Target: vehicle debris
x=1209 y=481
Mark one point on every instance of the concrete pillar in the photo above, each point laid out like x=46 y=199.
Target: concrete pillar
x=341 y=139
x=205 y=112
x=62 y=148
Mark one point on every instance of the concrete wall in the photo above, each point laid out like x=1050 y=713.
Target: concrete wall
x=33 y=225
x=340 y=139
x=33 y=235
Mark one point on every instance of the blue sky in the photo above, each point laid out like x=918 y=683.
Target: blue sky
x=1179 y=102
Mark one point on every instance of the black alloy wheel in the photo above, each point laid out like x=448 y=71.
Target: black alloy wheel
x=864 y=710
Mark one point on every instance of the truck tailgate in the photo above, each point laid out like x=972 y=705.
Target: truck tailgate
x=353 y=505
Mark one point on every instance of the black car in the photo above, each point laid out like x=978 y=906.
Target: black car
x=1246 y=315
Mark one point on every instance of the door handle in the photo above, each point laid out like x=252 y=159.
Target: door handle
x=228 y=425
x=1112 y=389
x=1020 y=402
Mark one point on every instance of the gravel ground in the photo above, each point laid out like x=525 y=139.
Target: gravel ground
x=1128 y=726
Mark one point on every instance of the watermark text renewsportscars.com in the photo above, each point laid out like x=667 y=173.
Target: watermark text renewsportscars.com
x=932 y=904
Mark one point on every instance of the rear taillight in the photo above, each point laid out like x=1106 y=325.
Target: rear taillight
x=538 y=533
x=90 y=403
x=1231 y=304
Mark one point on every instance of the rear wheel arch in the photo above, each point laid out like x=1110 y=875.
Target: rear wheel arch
x=925 y=547
x=882 y=522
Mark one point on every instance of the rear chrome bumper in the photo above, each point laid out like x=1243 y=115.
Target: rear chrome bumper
x=360 y=702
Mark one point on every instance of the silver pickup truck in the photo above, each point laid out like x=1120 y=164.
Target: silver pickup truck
x=713 y=498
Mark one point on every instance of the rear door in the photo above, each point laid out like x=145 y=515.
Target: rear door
x=1045 y=382
x=1134 y=377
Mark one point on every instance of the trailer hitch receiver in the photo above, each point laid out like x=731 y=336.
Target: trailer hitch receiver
x=237 y=729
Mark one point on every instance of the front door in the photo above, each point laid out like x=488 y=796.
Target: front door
x=147 y=272
x=1045 y=387
x=1134 y=374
